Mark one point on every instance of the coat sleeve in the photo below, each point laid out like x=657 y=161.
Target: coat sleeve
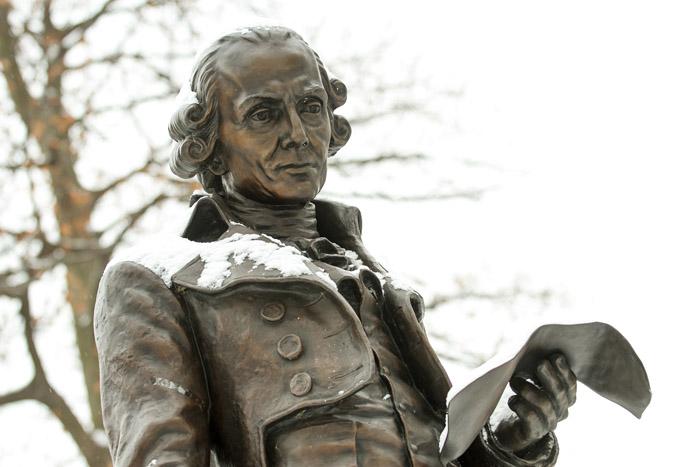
x=154 y=395
x=485 y=452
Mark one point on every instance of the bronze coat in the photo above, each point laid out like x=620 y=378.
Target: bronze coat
x=185 y=369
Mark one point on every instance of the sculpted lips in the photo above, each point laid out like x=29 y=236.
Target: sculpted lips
x=296 y=167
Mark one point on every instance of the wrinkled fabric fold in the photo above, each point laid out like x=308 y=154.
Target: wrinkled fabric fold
x=282 y=221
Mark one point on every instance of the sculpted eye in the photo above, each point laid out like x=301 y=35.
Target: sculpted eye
x=262 y=115
x=311 y=105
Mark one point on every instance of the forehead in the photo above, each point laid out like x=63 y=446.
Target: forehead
x=268 y=66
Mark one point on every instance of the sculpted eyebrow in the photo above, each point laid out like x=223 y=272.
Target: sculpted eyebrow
x=251 y=101
x=316 y=90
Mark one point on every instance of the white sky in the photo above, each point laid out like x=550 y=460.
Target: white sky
x=599 y=104
x=594 y=107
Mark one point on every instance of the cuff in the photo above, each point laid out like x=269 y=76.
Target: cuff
x=487 y=452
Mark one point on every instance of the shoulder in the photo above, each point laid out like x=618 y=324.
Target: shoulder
x=127 y=287
x=153 y=258
x=130 y=299
x=126 y=274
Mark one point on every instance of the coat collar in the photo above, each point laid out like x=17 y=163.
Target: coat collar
x=210 y=221
x=342 y=224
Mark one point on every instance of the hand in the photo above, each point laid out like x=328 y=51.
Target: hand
x=538 y=406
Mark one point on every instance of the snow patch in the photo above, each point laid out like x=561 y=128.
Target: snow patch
x=323 y=275
x=165 y=256
x=186 y=96
x=241 y=247
x=397 y=281
x=353 y=257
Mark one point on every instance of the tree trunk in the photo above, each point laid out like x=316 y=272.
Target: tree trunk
x=82 y=280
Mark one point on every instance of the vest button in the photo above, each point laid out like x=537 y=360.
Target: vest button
x=272 y=312
x=290 y=347
x=300 y=384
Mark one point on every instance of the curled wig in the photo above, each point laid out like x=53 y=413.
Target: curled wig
x=194 y=127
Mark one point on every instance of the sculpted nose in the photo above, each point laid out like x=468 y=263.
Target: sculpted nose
x=295 y=135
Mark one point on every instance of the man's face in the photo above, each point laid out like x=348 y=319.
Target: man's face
x=274 y=125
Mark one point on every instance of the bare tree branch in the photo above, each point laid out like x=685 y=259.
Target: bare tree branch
x=129 y=105
x=16 y=84
x=13 y=291
x=470 y=359
x=36 y=215
x=397 y=108
x=107 y=8
x=472 y=195
x=26 y=164
x=46 y=16
x=18 y=235
x=500 y=295
x=133 y=218
x=150 y=162
x=41 y=390
x=28 y=392
x=115 y=57
x=343 y=163
x=85 y=24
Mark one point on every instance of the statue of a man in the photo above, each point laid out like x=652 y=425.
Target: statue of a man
x=269 y=336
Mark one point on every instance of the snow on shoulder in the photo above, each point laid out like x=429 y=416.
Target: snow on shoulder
x=166 y=255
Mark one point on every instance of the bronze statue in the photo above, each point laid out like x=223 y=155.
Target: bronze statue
x=271 y=337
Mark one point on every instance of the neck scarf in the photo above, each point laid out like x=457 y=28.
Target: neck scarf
x=282 y=221
x=290 y=223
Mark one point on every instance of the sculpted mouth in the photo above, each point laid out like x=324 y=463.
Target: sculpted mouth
x=296 y=167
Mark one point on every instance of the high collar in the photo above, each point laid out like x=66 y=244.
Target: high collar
x=211 y=218
x=282 y=221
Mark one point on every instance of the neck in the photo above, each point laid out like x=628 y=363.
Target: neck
x=282 y=221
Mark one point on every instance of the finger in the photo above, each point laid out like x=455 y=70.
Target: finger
x=537 y=398
x=553 y=386
x=533 y=426
x=567 y=376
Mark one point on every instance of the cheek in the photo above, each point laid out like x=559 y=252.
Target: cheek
x=247 y=149
x=322 y=177
x=320 y=134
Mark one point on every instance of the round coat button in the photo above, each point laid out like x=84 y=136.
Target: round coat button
x=289 y=347
x=300 y=384
x=272 y=312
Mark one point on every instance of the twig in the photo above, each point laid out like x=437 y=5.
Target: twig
x=472 y=195
x=41 y=390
